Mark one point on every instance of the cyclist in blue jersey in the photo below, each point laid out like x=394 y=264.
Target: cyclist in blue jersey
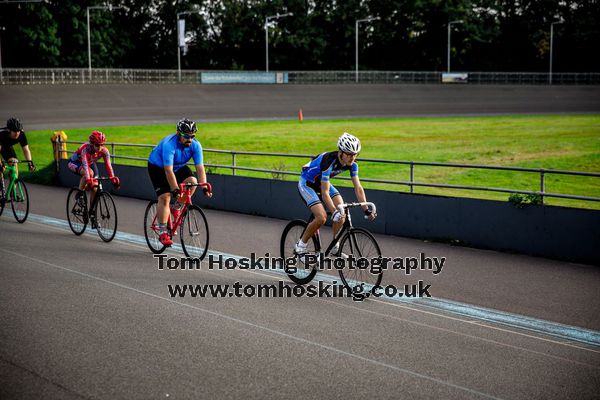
x=167 y=169
x=318 y=193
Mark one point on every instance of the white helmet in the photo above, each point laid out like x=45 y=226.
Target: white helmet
x=349 y=144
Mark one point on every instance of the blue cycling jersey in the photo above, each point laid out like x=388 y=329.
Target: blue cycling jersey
x=170 y=152
x=325 y=166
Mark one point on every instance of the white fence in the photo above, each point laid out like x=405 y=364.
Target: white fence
x=57 y=76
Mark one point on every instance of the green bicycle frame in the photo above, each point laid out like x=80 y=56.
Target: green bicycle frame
x=13 y=175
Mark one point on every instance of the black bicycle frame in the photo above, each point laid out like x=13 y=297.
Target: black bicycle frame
x=346 y=227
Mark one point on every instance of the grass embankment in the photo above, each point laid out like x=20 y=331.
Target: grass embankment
x=568 y=142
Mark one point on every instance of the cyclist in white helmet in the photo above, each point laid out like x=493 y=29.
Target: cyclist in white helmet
x=319 y=194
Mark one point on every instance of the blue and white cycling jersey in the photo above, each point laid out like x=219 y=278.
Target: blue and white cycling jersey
x=325 y=166
x=170 y=152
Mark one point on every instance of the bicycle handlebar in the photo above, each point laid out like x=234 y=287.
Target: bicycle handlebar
x=343 y=206
x=204 y=184
x=18 y=161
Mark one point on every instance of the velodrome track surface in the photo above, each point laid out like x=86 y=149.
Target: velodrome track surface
x=86 y=319
x=80 y=318
x=63 y=106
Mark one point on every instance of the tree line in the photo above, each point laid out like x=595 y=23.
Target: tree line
x=411 y=35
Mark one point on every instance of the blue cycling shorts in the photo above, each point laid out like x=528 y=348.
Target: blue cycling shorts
x=310 y=196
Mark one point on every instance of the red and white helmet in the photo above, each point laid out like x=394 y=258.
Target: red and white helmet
x=97 y=137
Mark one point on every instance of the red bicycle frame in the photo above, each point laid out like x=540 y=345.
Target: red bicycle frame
x=184 y=198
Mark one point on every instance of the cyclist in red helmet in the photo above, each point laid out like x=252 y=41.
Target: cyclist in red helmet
x=83 y=163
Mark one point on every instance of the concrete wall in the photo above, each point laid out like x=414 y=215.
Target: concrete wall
x=553 y=232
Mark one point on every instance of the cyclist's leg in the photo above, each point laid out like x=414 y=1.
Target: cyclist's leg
x=320 y=217
x=11 y=158
x=93 y=171
x=185 y=175
x=162 y=190
x=313 y=202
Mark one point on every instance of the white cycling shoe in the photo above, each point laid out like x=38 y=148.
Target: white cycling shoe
x=300 y=249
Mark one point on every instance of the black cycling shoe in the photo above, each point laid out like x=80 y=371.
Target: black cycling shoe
x=93 y=222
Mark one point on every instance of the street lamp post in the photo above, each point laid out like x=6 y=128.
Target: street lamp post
x=109 y=8
x=358 y=21
x=178 y=47
x=460 y=21
x=1 y=72
x=551 y=47
x=267 y=20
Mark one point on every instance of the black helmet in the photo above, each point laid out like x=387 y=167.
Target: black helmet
x=13 y=124
x=186 y=126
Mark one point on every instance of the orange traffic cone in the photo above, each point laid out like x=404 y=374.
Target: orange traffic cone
x=300 y=116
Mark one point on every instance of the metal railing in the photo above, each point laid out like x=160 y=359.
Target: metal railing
x=57 y=76
x=411 y=183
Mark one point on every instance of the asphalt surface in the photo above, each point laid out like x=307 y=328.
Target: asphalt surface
x=80 y=318
x=65 y=106
x=85 y=319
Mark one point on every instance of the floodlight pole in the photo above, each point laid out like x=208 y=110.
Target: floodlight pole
x=267 y=20
x=358 y=21
x=179 y=48
x=460 y=21
x=551 y=47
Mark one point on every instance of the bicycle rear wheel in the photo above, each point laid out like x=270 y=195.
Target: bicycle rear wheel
x=359 y=242
x=77 y=210
x=300 y=273
x=151 y=228
x=194 y=233
x=2 y=193
x=106 y=216
x=20 y=201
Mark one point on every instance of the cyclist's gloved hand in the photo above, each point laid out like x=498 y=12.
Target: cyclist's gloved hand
x=370 y=215
x=32 y=166
x=89 y=183
x=115 y=181
x=175 y=192
x=337 y=216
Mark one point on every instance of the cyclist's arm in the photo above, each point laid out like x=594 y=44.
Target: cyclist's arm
x=107 y=164
x=201 y=173
x=85 y=163
x=171 y=177
x=359 y=191
x=27 y=152
x=361 y=196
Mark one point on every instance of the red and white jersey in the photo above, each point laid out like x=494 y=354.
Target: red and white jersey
x=87 y=155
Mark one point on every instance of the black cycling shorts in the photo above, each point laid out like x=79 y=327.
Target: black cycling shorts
x=8 y=152
x=159 y=180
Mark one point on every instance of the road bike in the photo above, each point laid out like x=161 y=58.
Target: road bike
x=186 y=217
x=14 y=191
x=357 y=242
x=102 y=215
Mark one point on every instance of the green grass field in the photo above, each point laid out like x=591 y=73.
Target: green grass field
x=568 y=142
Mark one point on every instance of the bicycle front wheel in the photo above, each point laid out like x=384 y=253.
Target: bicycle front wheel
x=20 y=201
x=300 y=274
x=359 y=243
x=151 y=229
x=77 y=211
x=194 y=233
x=106 y=216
